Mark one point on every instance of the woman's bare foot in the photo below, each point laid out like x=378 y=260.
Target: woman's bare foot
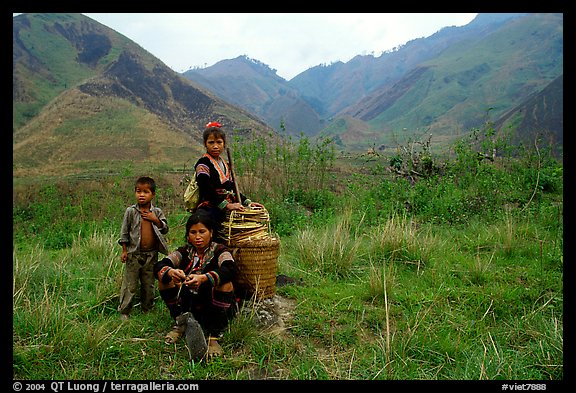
x=214 y=349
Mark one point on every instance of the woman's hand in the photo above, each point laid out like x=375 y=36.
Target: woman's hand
x=177 y=275
x=195 y=280
x=235 y=206
x=239 y=206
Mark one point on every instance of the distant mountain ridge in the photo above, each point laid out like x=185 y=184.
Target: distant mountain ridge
x=443 y=83
x=252 y=85
x=354 y=80
x=85 y=94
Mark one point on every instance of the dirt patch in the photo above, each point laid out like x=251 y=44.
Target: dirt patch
x=274 y=313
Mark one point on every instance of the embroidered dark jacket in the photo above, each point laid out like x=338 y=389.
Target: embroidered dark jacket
x=215 y=184
x=217 y=263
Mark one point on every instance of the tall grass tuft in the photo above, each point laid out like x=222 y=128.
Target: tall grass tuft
x=509 y=234
x=382 y=280
x=330 y=251
x=480 y=270
x=399 y=239
x=24 y=273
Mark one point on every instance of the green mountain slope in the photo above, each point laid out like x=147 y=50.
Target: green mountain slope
x=539 y=116
x=85 y=97
x=452 y=93
x=55 y=52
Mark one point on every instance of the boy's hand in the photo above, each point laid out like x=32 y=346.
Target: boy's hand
x=150 y=216
x=124 y=256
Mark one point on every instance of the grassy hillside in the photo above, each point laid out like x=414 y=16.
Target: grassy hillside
x=83 y=93
x=456 y=276
x=47 y=60
x=71 y=134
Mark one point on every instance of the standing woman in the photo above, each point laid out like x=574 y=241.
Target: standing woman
x=214 y=179
x=195 y=283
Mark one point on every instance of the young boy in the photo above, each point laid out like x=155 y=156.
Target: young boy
x=141 y=238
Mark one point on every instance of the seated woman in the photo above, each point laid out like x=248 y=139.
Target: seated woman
x=195 y=283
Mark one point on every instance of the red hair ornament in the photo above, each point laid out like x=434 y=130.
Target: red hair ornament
x=213 y=124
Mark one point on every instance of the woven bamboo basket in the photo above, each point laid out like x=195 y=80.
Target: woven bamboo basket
x=257 y=262
x=246 y=225
x=255 y=252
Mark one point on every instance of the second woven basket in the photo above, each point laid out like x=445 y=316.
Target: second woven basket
x=257 y=262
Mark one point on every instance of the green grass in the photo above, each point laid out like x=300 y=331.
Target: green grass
x=399 y=282
x=405 y=305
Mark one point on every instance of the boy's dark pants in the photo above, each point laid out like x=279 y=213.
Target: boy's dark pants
x=138 y=269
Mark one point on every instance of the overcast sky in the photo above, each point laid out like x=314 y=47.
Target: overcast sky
x=289 y=43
